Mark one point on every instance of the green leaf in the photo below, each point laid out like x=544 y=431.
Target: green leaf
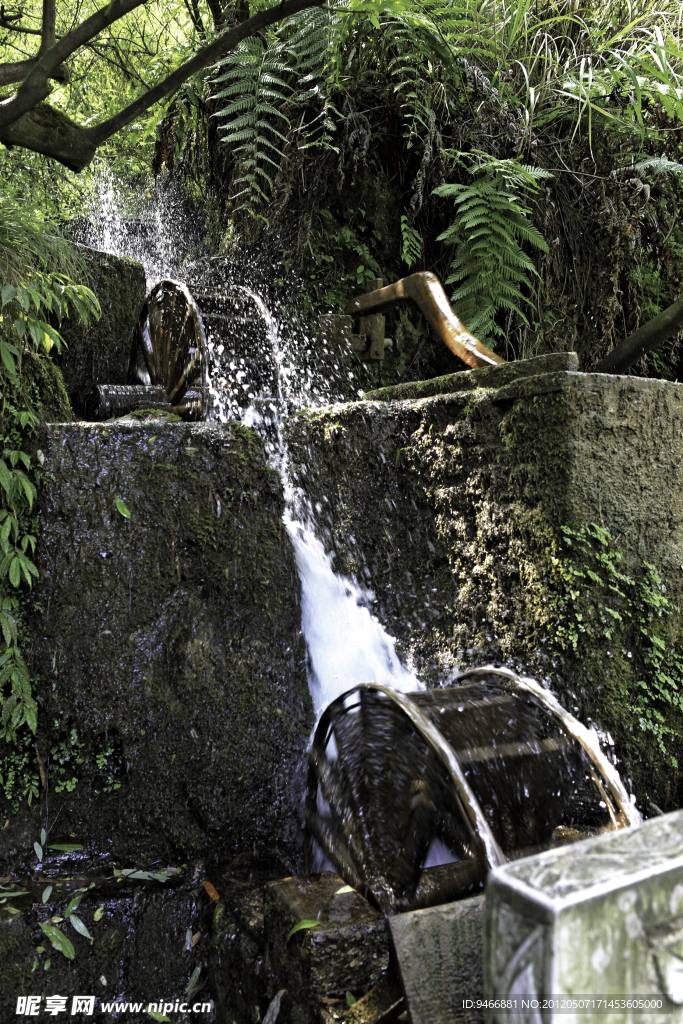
x=301 y=926
x=59 y=940
x=122 y=508
x=97 y=916
x=7 y=353
x=46 y=893
x=350 y=999
x=73 y=904
x=7 y=294
x=15 y=580
x=157 y=1015
x=80 y=927
x=43 y=836
x=192 y=984
x=65 y=847
x=5 y=477
x=39 y=851
x=344 y=888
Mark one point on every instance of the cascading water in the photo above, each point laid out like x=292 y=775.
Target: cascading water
x=346 y=642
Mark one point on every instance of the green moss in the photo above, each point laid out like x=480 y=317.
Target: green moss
x=158 y=414
x=44 y=388
x=453 y=510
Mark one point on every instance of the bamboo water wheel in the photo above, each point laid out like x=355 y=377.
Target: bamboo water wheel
x=243 y=367
x=169 y=349
x=472 y=775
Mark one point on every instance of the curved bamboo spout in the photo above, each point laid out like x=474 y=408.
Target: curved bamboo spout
x=427 y=291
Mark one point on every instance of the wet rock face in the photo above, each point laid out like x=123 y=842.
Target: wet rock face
x=139 y=953
x=450 y=507
x=170 y=632
x=99 y=354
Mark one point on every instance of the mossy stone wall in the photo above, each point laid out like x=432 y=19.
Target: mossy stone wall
x=451 y=509
x=167 y=623
x=100 y=353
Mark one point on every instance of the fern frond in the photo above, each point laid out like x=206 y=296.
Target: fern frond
x=491 y=271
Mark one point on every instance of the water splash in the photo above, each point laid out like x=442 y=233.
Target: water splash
x=346 y=642
x=151 y=226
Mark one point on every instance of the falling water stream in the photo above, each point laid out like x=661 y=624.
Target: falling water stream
x=346 y=642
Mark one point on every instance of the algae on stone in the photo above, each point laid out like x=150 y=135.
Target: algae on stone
x=451 y=509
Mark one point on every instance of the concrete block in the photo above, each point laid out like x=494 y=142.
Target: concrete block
x=100 y=353
x=603 y=917
x=439 y=954
x=348 y=950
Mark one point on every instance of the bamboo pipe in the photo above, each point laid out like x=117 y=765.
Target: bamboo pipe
x=426 y=290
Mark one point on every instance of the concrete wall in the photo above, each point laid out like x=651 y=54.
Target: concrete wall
x=174 y=635
x=451 y=508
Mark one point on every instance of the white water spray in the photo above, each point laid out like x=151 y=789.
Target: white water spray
x=346 y=642
x=145 y=227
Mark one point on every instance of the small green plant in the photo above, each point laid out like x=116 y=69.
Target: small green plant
x=37 y=267
x=411 y=243
x=597 y=605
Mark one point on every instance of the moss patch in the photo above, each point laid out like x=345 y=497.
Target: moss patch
x=452 y=510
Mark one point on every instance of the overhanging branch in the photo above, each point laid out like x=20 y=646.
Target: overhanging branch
x=45 y=130
x=227 y=41
x=35 y=86
x=648 y=337
x=11 y=73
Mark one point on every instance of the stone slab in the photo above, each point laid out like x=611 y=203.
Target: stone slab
x=348 y=950
x=439 y=954
x=485 y=377
x=603 y=917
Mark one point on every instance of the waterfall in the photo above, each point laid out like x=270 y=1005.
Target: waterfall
x=346 y=642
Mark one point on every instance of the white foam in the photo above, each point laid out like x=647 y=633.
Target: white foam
x=347 y=644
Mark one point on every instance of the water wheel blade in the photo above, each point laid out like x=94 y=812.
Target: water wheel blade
x=169 y=348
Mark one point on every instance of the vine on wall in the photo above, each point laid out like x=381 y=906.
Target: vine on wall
x=599 y=608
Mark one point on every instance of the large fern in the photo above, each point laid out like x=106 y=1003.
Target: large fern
x=254 y=80
x=490 y=268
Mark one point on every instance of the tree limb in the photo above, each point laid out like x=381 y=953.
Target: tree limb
x=648 y=337
x=46 y=130
x=195 y=16
x=10 y=73
x=216 y=13
x=35 y=86
x=49 y=26
x=227 y=41
x=7 y=21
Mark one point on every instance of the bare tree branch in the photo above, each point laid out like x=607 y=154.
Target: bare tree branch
x=8 y=21
x=10 y=73
x=648 y=337
x=216 y=13
x=195 y=16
